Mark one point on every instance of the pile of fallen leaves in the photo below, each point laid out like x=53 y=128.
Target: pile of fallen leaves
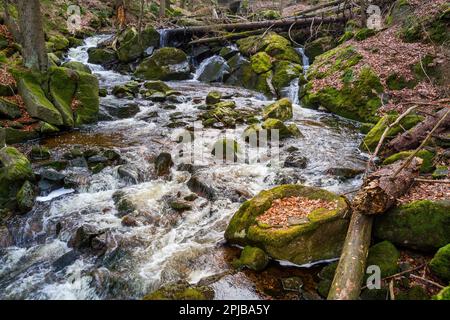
x=283 y=211
x=426 y=191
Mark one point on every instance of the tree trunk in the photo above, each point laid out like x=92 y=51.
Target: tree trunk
x=363 y=5
x=10 y=22
x=378 y=194
x=162 y=8
x=32 y=35
x=412 y=138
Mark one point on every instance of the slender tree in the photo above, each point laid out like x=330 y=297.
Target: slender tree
x=162 y=8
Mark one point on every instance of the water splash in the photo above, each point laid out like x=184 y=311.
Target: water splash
x=212 y=69
x=163 y=38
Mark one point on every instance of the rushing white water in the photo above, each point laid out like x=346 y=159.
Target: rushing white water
x=164 y=246
x=163 y=38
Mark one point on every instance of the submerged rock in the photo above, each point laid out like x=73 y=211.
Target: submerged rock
x=213 y=97
x=181 y=291
x=104 y=57
x=163 y=163
x=320 y=237
x=165 y=64
x=252 y=258
x=420 y=225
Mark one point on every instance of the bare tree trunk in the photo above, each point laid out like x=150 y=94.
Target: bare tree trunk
x=162 y=8
x=141 y=17
x=378 y=194
x=363 y=5
x=32 y=35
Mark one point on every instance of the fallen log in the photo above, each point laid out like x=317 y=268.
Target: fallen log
x=228 y=37
x=377 y=195
x=320 y=6
x=412 y=138
x=247 y=26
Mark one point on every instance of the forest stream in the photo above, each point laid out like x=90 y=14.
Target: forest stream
x=165 y=245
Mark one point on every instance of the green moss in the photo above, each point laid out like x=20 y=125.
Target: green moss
x=26 y=197
x=165 y=64
x=101 y=56
x=251 y=45
x=425 y=155
x=181 y=291
x=262 y=83
x=226 y=148
x=284 y=73
x=77 y=66
x=364 y=33
x=261 y=62
x=396 y=82
x=252 y=258
x=129 y=47
x=444 y=294
x=413 y=293
x=320 y=238
x=319 y=46
x=346 y=36
x=62 y=87
x=440 y=264
x=384 y=255
x=59 y=42
x=213 y=97
x=281 y=110
x=441 y=172
x=87 y=108
x=358 y=99
x=421 y=225
x=373 y=137
x=275 y=124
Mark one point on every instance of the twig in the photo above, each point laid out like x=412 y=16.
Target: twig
x=429 y=281
x=391 y=290
x=408 y=161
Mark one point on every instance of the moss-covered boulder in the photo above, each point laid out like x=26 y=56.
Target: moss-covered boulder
x=356 y=97
x=62 y=87
x=126 y=90
x=261 y=62
x=413 y=293
x=103 y=56
x=129 y=47
x=165 y=64
x=420 y=225
x=87 y=100
x=284 y=72
x=440 y=264
x=181 y=291
x=36 y=101
x=9 y=110
x=213 y=97
x=15 y=169
x=427 y=157
x=252 y=258
x=385 y=256
x=373 y=137
x=225 y=149
x=441 y=172
x=318 y=46
x=283 y=130
x=59 y=42
x=320 y=236
x=77 y=66
x=26 y=197
x=281 y=110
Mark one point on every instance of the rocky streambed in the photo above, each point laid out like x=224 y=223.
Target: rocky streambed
x=120 y=215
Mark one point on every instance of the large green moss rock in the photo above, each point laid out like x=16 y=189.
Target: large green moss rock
x=77 y=66
x=62 y=87
x=253 y=44
x=15 y=169
x=440 y=264
x=12 y=135
x=284 y=73
x=36 y=102
x=319 y=237
x=101 y=56
x=384 y=255
x=252 y=258
x=284 y=131
x=26 y=197
x=59 y=42
x=358 y=99
x=9 y=110
x=128 y=46
x=261 y=62
x=88 y=101
x=420 y=225
x=281 y=110
x=165 y=64
x=181 y=291
x=373 y=137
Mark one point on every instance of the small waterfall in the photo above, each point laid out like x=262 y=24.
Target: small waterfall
x=212 y=69
x=305 y=59
x=163 y=38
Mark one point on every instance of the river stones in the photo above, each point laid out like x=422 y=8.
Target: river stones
x=281 y=110
x=213 y=98
x=89 y=239
x=131 y=46
x=26 y=197
x=163 y=163
x=165 y=64
x=318 y=237
x=77 y=66
x=420 y=225
x=15 y=170
x=252 y=258
x=181 y=290
x=104 y=57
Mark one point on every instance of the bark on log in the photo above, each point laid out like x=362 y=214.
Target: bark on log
x=377 y=195
x=320 y=6
x=412 y=138
x=246 y=26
